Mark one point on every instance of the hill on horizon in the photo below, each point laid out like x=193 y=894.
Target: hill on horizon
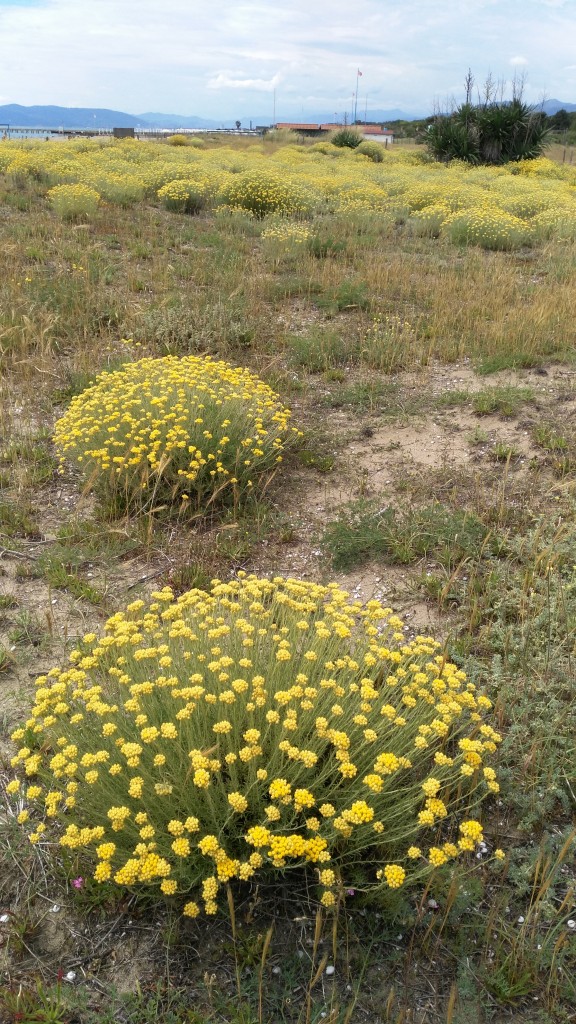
x=51 y=116
x=553 y=106
x=100 y=117
x=65 y=117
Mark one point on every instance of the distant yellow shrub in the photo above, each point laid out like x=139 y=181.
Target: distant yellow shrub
x=262 y=192
x=71 y=201
x=284 y=238
x=428 y=221
x=184 y=196
x=485 y=226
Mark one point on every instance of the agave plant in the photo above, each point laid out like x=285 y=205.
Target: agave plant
x=494 y=131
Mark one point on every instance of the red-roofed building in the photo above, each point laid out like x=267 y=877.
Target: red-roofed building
x=375 y=133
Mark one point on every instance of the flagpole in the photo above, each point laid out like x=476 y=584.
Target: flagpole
x=358 y=74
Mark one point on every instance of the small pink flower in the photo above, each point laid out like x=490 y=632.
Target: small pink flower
x=78 y=883
x=350 y=892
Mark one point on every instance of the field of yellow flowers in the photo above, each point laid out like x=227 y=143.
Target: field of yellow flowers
x=496 y=208
x=253 y=399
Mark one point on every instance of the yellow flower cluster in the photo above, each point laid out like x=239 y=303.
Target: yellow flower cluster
x=488 y=226
x=166 y=428
x=345 y=748
x=263 y=192
x=70 y=201
x=284 y=237
x=184 y=196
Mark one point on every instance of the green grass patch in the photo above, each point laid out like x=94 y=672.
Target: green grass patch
x=18 y=520
x=363 y=532
x=502 y=401
x=347 y=297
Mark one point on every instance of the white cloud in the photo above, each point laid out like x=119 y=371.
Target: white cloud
x=517 y=62
x=225 y=81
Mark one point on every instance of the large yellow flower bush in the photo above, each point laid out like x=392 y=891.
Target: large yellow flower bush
x=258 y=727
x=192 y=430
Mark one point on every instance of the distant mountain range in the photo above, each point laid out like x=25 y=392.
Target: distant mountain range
x=177 y=121
x=64 y=117
x=97 y=117
x=553 y=106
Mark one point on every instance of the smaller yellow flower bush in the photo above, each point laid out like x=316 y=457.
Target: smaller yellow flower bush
x=262 y=192
x=486 y=226
x=70 y=201
x=555 y=223
x=428 y=221
x=284 y=238
x=177 y=140
x=261 y=726
x=118 y=188
x=191 y=430
x=184 y=196
x=373 y=150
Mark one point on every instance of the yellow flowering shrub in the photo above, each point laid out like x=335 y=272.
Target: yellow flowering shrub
x=177 y=140
x=191 y=430
x=262 y=192
x=184 y=196
x=373 y=150
x=71 y=201
x=486 y=226
x=121 y=189
x=284 y=238
x=261 y=726
x=428 y=221
x=555 y=223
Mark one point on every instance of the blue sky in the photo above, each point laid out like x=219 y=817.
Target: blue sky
x=228 y=59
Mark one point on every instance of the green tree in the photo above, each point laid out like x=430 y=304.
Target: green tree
x=560 y=121
x=493 y=130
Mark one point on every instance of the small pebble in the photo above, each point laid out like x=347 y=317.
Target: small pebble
x=70 y=976
x=330 y=970
x=571 y=924
x=6 y=917
x=55 y=909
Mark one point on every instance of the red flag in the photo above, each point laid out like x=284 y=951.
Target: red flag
x=360 y=73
